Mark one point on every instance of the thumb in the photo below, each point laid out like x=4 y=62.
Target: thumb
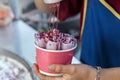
x=66 y=69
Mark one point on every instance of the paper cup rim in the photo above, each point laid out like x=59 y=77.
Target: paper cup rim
x=55 y=50
x=50 y=74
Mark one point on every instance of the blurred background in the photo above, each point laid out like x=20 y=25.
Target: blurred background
x=23 y=9
x=18 y=37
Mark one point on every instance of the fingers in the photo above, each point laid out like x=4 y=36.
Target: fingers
x=7 y=11
x=43 y=77
x=2 y=15
x=36 y=69
x=66 y=69
x=5 y=22
x=6 y=15
x=3 y=8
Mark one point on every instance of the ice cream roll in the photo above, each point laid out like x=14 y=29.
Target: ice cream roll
x=53 y=45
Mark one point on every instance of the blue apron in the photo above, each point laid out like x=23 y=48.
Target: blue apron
x=101 y=35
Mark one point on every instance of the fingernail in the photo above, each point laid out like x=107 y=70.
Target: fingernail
x=51 y=67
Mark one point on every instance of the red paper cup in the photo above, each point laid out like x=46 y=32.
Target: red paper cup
x=45 y=57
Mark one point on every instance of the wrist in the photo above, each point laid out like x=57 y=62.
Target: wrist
x=91 y=74
x=99 y=69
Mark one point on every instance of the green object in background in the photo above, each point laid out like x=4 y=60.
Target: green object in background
x=43 y=29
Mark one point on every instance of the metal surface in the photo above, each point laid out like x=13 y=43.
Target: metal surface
x=9 y=54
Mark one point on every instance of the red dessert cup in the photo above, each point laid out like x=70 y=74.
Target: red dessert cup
x=45 y=57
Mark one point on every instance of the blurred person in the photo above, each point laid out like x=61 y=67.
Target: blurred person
x=6 y=15
x=100 y=36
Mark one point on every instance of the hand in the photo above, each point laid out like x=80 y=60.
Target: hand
x=42 y=7
x=70 y=72
x=6 y=15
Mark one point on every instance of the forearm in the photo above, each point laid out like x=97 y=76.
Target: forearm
x=110 y=74
x=42 y=7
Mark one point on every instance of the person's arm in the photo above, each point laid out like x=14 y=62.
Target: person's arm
x=68 y=8
x=79 y=72
x=110 y=74
x=42 y=7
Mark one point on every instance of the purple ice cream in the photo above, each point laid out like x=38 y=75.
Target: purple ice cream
x=55 y=40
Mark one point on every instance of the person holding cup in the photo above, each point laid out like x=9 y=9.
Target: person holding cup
x=100 y=35
x=6 y=15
